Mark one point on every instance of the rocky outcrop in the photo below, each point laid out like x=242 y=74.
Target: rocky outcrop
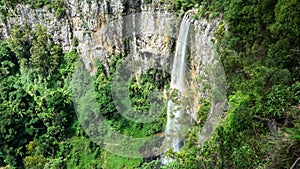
x=85 y=20
x=150 y=30
x=80 y=17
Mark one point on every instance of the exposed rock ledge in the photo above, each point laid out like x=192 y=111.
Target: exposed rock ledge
x=102 y=26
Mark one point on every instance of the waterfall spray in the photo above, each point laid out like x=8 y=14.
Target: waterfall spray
x=175 y=109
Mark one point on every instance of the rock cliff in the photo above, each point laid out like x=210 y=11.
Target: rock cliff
x=103 y=27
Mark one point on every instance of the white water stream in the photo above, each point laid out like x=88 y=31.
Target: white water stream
x=175 y=108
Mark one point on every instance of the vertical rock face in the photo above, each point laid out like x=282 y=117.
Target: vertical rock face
x=80 y=17
x=102 y=28
x=97 y=25
x=204 y=59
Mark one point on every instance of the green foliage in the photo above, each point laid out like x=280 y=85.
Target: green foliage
x=75 y=42
x=184 y=5
x=56 y=6
x=34 y=49
x=259 y=52
x=81 y=154
x=113 y=161
x=59 y=8
x=37 y=3
x=67 y=65
x=20 y=43
x=148 y=1
x=259 y=46
x=203 y=111
x=33 y=159
x=9 y=63
x=45 y=56
x=139 y=90
x=35 y=99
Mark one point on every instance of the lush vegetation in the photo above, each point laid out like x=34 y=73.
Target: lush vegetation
x=36 y=108
x=39 y=127
x=260 y=53
x=258 y=42
x=56 y=6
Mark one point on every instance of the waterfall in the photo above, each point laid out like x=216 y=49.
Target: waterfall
x=175 y=109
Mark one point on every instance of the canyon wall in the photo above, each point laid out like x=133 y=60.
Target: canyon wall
x=103 y=27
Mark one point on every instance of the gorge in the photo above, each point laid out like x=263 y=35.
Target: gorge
x=140 y=83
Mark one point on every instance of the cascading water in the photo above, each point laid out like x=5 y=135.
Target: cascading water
x=175 y=109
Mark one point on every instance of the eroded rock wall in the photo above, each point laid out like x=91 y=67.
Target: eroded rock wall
x=102 y=27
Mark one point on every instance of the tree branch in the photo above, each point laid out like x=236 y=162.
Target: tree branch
x=295 y=163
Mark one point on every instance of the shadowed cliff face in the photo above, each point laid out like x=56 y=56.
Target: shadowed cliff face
x=101 y=26
x=141 y=30
x=80 y=17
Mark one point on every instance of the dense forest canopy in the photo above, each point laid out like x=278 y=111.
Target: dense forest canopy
x=259 y=44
